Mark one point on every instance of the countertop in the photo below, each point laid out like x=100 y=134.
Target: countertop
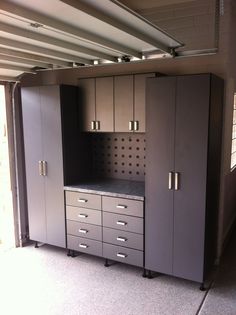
x=111 y=187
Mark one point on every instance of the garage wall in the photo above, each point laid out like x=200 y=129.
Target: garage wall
x=221 y=64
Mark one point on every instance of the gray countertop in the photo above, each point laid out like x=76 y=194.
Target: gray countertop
x=111 y=187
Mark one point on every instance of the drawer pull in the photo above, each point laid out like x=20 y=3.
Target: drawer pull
x=83 y=245
x=121 y=239
x=121 y=255
x=82 y=200
x=83 y=231
x=121 y=206
x=121 y=223
x=81 y=215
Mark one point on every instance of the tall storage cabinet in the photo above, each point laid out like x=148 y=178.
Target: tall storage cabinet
x=182 y=173
x=41 y=108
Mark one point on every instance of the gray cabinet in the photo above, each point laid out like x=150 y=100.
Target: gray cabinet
x=96 y=101
x=182 y=174
x=44 y=163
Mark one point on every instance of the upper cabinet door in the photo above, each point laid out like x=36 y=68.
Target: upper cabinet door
x=124 y=100
x=87 y=103
x=105 y=104
x=140 y=100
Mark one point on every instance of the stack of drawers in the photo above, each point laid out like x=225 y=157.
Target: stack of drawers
x=123 y=230
x=84 y=222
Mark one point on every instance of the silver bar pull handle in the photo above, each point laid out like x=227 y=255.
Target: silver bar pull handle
x=97 y=124
x=170 y=181
x=121 y=206
x=45 y=169
x=83 y=231
x=131 y=125
x=93 y=127
x=176 y=181
x=121 y=255
x=81 y=215
x=40 y=168
x=121 y=223
x=82 y=200
x=136 y=125
x=83 y=245
x=121 y=239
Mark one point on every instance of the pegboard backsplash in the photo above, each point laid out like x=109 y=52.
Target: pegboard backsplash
x=119 y=155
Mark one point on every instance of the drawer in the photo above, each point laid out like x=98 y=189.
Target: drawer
x=83 y=200
x=123 y=206
x=84 y=245
x=84 y=230
x=83 y=215
x=122 y=254
x=122 y=238
x=123 y=222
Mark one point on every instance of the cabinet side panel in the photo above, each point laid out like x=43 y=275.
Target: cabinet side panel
x=123 y=98
x=52 y=149
x=33 y=154
x=105 y=104
x=191 y=148
x=140 y=99
x=160 y=122
x=87 y=102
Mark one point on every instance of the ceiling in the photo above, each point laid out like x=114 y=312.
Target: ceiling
x=71 y=33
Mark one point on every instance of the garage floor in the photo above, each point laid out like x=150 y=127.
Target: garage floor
x=46 y=281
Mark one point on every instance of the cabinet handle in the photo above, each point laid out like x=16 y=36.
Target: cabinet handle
x=45 y=169
x=170 y=181
x=81 y=215
x=40 y=168
x=121 y=223
x=121 y=206
x=136 y=125
x=82 y=200
x=121 y=239
x=93 y=127
x=176 y=181
x=121 y=255
x=83 y=245
x=97 y=124
x=83 y=231
x=131 y=125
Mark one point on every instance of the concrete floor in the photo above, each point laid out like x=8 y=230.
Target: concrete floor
x=45 y=281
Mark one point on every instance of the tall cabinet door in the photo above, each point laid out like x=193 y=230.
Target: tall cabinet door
x=87 y=102
x=124 y=100
x=105 y=104
x=32 y=123
x=191 y=146
x=160 y=114
x=52 y=151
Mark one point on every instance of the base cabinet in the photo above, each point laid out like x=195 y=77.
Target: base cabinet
x=182 y=174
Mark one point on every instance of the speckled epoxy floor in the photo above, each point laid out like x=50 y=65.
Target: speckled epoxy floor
x=45 y=281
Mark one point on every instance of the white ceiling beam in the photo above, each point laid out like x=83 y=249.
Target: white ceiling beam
x=30 y=15
x=4 y=78
x=54 y=41
x=41 y=50
x=16 y=68
x=24 y=61
x=34 y=58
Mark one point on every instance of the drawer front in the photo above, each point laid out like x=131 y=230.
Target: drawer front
x=123 y=206
x=84 y=230
x=83 y=200
x=123 y=222
x=122 y=238
x=122 y=254
x=84 y=245
x=83 y=215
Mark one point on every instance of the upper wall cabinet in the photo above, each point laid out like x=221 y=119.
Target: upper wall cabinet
x=96 y=101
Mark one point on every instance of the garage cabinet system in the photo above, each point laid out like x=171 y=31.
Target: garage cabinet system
x=127 y=168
